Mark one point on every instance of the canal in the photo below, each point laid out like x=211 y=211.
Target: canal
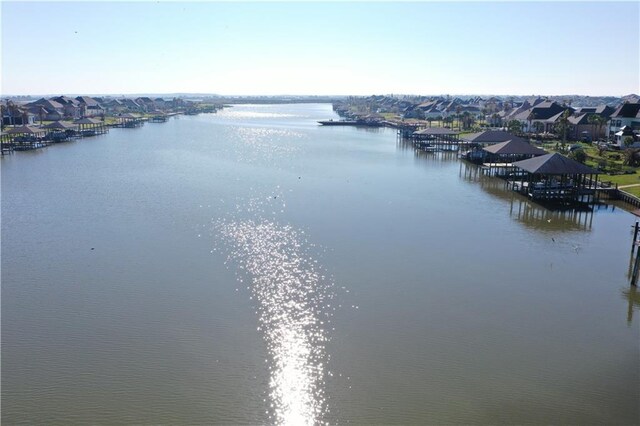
x=252 y=267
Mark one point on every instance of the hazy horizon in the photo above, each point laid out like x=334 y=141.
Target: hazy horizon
x=307 y=95
x=330 y=49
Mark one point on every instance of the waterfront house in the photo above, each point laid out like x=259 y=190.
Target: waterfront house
x=113 y=106
x=46 y=109
x=627 y=114
x=89 y=106
x=547 y=113
x=583 y=128
x=131 y=105
x=70 y=107
x=13 y=115
x=625 y=133
x=160 y=103
x=146 y=103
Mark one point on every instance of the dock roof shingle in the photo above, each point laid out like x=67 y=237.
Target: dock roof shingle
x=515 y=146
x=555 y=164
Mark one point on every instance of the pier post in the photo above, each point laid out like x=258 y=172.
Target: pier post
x=636 y=269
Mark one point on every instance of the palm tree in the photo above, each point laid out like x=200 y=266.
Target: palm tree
x=597 y=121
x=538 y=127
x=531 y=117
x=495 y=118
x=13 y=112
x=632 y=157
x=562 y=126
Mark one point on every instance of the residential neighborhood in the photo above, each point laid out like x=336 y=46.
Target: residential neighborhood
x=543 y=117
x=68 y=108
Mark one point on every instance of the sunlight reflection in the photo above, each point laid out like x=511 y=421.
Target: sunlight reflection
x=292 y=297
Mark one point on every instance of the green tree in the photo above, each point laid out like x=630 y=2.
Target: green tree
x=579 y=155
x=632 y=157
x=628 y=141
x=515 y=127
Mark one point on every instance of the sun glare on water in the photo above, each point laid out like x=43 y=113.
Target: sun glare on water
x=292 y=297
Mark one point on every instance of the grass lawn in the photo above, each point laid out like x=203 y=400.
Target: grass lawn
x=621 y=179
x=634 y=190
x=390 y=115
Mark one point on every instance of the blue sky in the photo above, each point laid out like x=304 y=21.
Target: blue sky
x=325 y=48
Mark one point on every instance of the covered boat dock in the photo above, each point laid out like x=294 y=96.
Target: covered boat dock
x=23 y=138
x=91 y=127
x=60 y=131
x=555 y=178
x=435 y=137
x=499 y=157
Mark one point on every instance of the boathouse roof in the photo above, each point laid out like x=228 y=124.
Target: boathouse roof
x=129 y=115
x=555 y=164
x=59 y=125
x=30 y=130
x=515 y=146
x=87 y=120
x=435 y=131
x=489 y=136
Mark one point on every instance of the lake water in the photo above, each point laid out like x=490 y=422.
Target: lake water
x=252 y=267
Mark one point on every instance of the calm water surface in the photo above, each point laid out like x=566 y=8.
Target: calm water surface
x=252 y=267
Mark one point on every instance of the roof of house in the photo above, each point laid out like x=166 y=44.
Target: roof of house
x=64 y=100
x=554 y=164
x=603 y=110
x=88 y=101
x=515 y=146
x=580 y=119
x=546 y=110
x=113 y=102
x=627 y=111
x=129 y=102
x=47 y=103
